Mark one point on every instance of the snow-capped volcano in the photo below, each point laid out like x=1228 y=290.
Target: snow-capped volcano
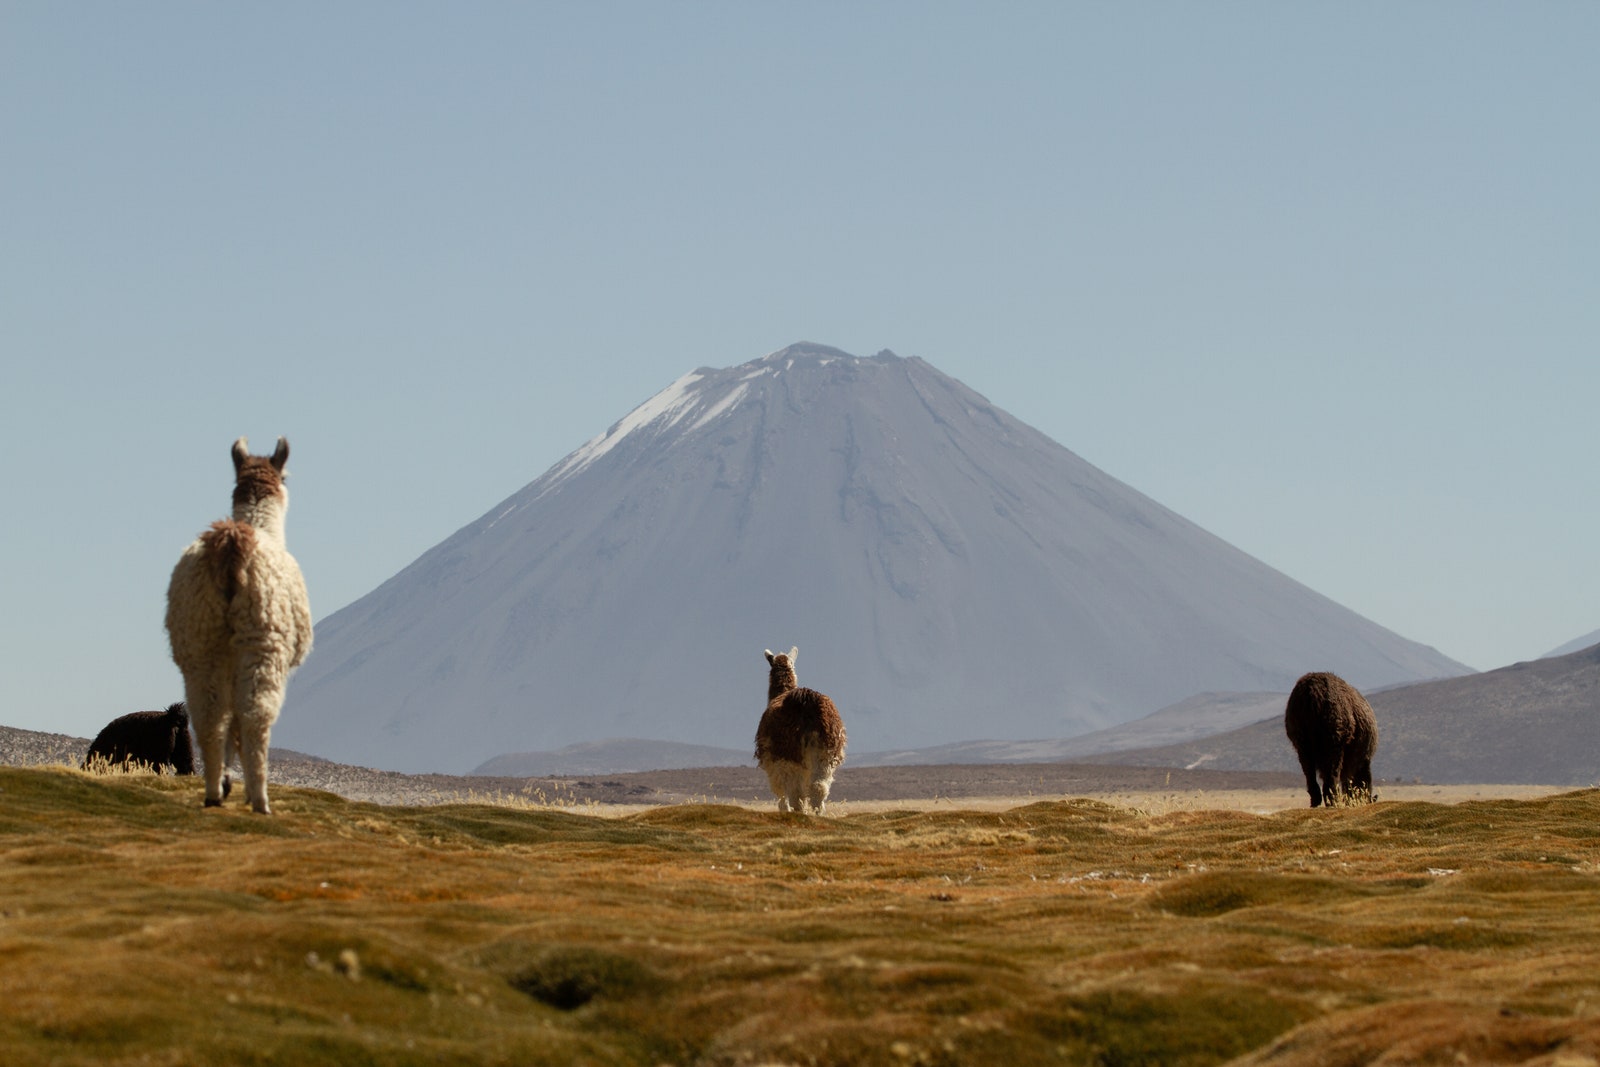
x=948 y=573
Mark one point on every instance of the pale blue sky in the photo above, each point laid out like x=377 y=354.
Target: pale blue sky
x=1324 y=278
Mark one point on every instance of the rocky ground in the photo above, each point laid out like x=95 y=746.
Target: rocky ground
x=729 y=784
x=28 y=748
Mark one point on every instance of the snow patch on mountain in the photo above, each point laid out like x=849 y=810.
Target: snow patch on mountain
x=671 y=404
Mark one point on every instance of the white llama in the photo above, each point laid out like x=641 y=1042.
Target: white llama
x=239 y=621
x=800 y=739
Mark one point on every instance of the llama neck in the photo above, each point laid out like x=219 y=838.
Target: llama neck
x=266 y=516
x=780 y=681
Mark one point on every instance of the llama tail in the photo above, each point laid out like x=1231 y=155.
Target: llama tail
x=229 y=546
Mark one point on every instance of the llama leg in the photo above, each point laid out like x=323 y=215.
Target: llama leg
x=775 y=783
x=819 y=778
x=1332 y=779
x=208 y=714
x=1353 y=785
x=794 y=786
x=1309 y=766
x=235 y=746
x=1362 y=781
x=785 y=777
x=259 y=695
x=213 y=746
x=819 y=790
x=1328 y=790
x=253 y=758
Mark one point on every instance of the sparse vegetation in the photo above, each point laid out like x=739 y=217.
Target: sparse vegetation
x=138 y=927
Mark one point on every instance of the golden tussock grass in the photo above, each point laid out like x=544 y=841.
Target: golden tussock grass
x=137 y=927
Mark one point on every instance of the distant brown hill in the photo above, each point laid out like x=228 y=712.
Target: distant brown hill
x=1532 y=723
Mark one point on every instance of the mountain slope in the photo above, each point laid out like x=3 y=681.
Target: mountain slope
x=947 y=572
x=1577 y=644
x=1533 y=723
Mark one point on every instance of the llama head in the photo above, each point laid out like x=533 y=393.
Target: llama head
x=258 y=478
x=781 y=678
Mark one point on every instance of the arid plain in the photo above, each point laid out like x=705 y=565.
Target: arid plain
x=1157 y=922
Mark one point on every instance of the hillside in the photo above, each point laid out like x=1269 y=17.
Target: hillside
x=947 y=571
x=140 y=927
x=1577 y=644
x=1530 y=722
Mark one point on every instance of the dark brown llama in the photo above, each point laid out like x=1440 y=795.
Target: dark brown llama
x=1335 y=735
x=157 y=738
x=800 y=741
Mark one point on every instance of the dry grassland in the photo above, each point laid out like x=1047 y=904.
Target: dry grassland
x=138 y=928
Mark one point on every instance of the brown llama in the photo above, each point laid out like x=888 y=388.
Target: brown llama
x=239 y=622
x=1335 y=735
x=800 y=741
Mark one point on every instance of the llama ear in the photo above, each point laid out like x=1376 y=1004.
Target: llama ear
x=794 y=654
x=280 y=455
x=769 y=655
x=241 y=452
